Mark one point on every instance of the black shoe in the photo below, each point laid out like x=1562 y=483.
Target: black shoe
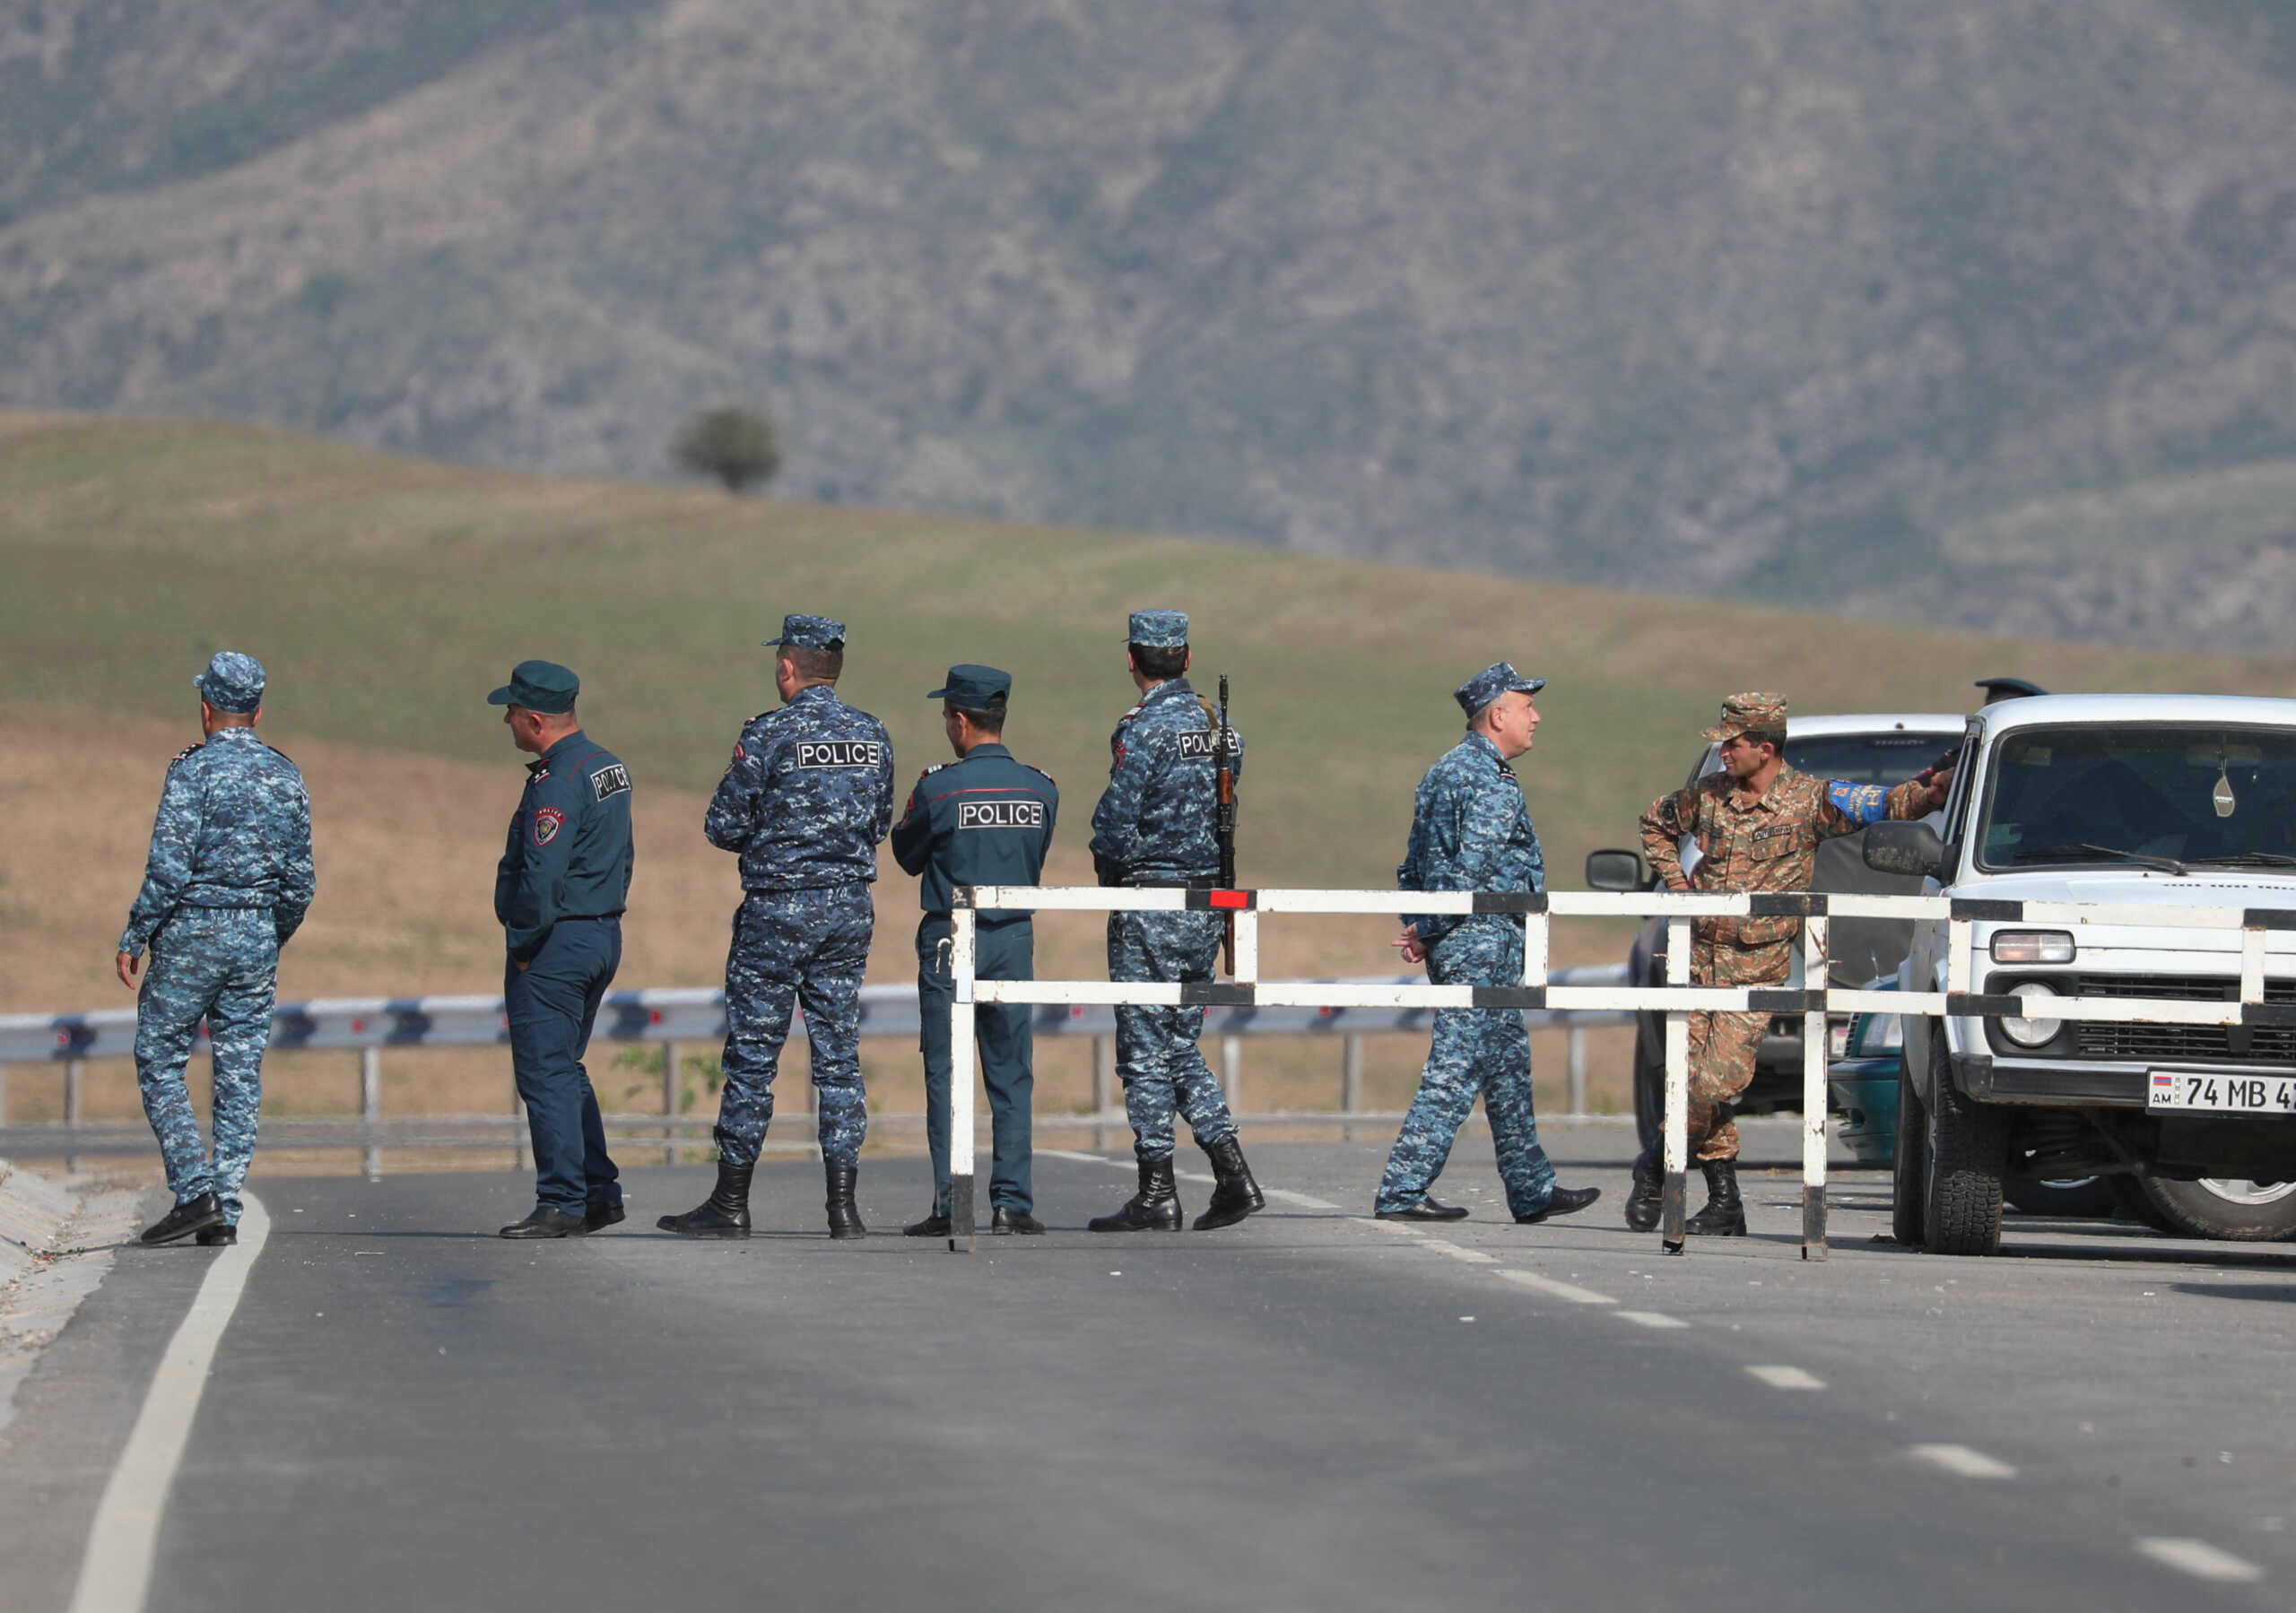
x=935 y=1225
x=546 y=1221
x=724 y=1213
x=189 y=1217
x=1426 y=1210
x=844 y=1220
x=217 y=1238
x=1004 y=1220
x=1155 y=1208
x=1234 y=1193
x=597 y=1216
x=1645 y=1200
x=1562 y=1201
x=1725 y=1215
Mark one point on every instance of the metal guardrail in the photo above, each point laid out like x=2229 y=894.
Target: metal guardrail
x=1544 y=989
x=673 y=1017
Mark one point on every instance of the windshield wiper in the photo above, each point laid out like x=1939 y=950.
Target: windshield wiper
x=2083 y=849
x=2246 y=858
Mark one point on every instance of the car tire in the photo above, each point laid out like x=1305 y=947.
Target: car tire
x=1968 y=1146
x=2130 y=1204
x=2088 y=1197
x=2242 y=1212
x=1912 y=1164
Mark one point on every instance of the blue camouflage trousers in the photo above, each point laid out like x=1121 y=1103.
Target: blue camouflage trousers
x=220 y=965
x=1474 y=1050
x=1156 y=1052
x=792 y=947
x=1007 y=1044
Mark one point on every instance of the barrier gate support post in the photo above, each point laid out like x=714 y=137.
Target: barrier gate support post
x=960 y=1066
x=1672 y=1214
x=1815 y=1048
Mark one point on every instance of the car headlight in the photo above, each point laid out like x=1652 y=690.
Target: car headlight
x=2032 y=946
x=2030 y=1029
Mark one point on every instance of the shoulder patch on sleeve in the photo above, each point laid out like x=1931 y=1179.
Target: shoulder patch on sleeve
x=548 y=822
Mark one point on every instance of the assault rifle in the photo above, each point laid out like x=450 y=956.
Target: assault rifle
x=1223 y=821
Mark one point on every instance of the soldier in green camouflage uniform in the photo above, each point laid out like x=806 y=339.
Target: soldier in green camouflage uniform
x=1756 y=824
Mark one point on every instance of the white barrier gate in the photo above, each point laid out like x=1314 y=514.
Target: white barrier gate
x=1677 y=999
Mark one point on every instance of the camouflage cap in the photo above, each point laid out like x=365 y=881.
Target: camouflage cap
x=1750 y=713
x=1490 y=684
x=1159 y=630
x=232 y=683
x=810 y=633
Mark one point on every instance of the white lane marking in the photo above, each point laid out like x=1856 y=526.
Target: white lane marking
x=1553 y=1289
x=1281 y=1194
x=1404 y=1227
x=115 y=1569
x=1963 y=1459
x=1473 y=1257
x=2201 y=1560
x=1787 y=1378
x=1651 y=1319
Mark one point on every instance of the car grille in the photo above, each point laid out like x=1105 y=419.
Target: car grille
x=2184 y=1044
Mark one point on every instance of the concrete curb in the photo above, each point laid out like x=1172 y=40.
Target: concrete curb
x=56 y=1247
x=33 y=1213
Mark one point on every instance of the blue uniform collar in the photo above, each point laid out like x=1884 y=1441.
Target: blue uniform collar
x=551 y=755
x=994 y=748
x=1481 y=741
x=815 y=692
x=234 y=734
x=1169 y=688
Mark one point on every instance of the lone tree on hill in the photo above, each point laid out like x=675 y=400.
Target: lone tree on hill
x=732 y=443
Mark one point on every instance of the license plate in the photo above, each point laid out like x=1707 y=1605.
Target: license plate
x=2221 y=1093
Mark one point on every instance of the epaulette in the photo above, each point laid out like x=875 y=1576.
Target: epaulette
x=185 y=751
x=930 y=771
x=1041 y=773
x=1135 y=712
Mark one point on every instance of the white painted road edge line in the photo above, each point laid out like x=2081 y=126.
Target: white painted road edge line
x=1404 y=1228
x=1787 y=1378
x=115 y=1569
x=1553 y=1289
x=2201 y=1560
x=1963 y=1460
x=1473 y=1257
x=1651 y=1319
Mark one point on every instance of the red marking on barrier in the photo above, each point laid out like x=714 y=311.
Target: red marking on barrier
x=654 y=1016
x=358 y=1025
x=1236 y=900
x=63 y=1039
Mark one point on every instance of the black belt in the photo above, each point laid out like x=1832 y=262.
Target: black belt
x=587 y=918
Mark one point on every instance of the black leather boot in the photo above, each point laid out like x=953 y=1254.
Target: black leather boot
x=189 y=1217
x=1155 y=1208
x=724 y=1213
x=1234 y=1195
x=1646 y=1199
x=217 y=1238
x=1725 y=1215
x=546 y=1221
x=844 y=1220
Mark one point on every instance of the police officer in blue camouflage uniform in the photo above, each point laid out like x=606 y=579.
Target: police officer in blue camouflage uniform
x=227 y=882
x=982 y=819
x=559 y=893
x=1470 y=830
x=806 y=800
x=1155 y=826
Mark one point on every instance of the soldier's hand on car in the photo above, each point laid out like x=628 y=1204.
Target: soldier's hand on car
x=1941 y=786
x=127 y=964
x=1414 y=949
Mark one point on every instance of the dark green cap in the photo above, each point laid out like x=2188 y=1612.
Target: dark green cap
x=542 y=686
x=970 y=688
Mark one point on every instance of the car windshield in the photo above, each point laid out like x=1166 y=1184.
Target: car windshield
x=2170 y=796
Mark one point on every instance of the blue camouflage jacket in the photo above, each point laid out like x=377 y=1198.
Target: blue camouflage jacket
x=1470 y=831
x=1155 y=821
x=569 y=854
x=233 y=831
x=807 y=796
x=984 y=821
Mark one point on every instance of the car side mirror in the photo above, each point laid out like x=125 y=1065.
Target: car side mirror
x=1615 y=871
x=1912 y=849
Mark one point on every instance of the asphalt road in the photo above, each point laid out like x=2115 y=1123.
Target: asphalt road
x=1311 y=1410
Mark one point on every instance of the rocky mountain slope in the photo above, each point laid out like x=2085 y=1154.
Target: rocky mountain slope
x=1983 y=310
